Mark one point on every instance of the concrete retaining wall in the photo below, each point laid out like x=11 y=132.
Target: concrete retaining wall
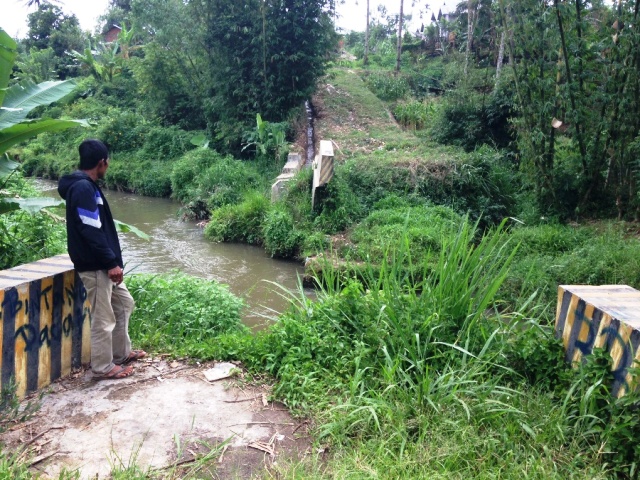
x=45 y=323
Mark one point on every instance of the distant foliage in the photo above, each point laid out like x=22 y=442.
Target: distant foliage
x=386 y=86
x=414 y=115
x=269 y=65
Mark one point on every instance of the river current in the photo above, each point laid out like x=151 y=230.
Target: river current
x=180 y=245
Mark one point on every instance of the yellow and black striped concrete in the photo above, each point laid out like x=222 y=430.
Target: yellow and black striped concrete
x=606 y=316
x=45 y=323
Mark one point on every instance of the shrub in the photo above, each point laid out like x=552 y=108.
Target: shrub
x=336 y=206
x=175 y=311
x=239 y=223
x=387 y=86
x=204 y=180
x=166 y=143
x=297 y=197
x=123 y=131
x=186 y=169
x=281 y=238
x=225 y=182
x=28 y=237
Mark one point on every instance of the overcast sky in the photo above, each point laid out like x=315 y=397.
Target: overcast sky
x=351 y=15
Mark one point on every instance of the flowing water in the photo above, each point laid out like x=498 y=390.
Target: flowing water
x=180 y=245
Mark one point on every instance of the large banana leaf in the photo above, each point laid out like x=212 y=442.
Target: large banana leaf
x=25 y=130
x=8 y=54
x=126 y=228
x=8 y=205
x=6 y=166
x=29 y=205
x=34 y=205
x=20 y=99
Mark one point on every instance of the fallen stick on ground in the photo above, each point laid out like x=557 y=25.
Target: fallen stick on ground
x=263 y=447
x=222 y=454
x=26 y=444
x=42 y=458
x=260 y=423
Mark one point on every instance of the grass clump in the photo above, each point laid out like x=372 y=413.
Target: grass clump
x=383 y=230
x=426 y=379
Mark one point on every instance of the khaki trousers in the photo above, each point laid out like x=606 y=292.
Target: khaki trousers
x=111 y=307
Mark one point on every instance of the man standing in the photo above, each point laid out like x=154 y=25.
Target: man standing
x=95 y=251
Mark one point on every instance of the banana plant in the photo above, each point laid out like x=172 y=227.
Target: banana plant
x=16 y=101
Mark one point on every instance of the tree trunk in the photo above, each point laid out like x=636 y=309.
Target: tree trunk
x=399 y=52
x=366 y=39
x=572 y=97
x=500 y=56
x=470 y=20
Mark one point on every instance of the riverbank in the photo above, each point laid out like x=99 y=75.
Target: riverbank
x=418 y=365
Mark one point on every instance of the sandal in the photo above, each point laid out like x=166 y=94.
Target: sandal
x=133 y=356
x=116 y=373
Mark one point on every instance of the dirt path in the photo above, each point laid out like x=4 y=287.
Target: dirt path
x=166 y=418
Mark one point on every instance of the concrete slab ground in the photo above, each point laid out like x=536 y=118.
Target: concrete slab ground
x=164 y=418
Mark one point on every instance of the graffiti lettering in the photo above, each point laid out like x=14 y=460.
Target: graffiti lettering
x=43 y=294
x=69 y=292
x=12 y=305
x=59 y=329
x=611 y=337
x=620 y=373
x=585 y=347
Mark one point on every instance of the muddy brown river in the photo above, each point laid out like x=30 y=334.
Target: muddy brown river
x=180 y=245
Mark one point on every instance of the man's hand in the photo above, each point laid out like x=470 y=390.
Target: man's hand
x=115 y=275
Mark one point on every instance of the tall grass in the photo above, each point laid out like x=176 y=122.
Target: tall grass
x=418 y=375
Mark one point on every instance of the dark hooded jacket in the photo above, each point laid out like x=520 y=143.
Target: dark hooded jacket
x=92 y=239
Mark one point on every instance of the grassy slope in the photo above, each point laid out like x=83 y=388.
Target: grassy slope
x=360 y=125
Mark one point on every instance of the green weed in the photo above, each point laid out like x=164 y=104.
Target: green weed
x=176 y=311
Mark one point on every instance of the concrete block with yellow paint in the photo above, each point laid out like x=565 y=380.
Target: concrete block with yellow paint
x=45 y=323
x=605 y=316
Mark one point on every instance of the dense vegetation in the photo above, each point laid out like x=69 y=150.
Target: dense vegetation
x=438 y=246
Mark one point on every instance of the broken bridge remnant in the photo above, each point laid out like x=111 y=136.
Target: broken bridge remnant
x=293 y=166
x=322 y=168
x=45 y=329
x=607 y=317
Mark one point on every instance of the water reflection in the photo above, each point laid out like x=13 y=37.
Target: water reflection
x=179 y=245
